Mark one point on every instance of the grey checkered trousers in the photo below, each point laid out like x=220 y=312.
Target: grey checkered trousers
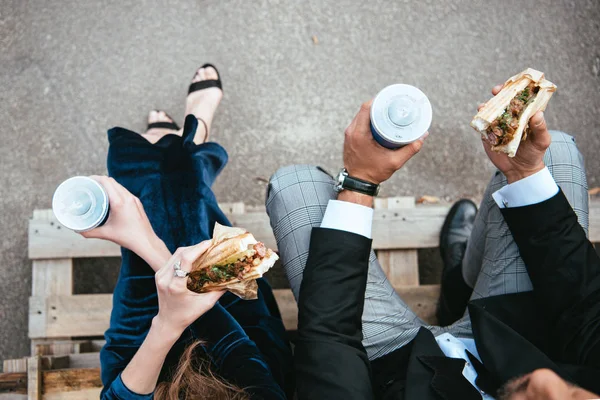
x=296 y=201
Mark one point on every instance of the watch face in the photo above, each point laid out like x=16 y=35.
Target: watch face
x=340 y=181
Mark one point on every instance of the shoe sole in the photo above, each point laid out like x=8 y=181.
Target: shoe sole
x=449 y=217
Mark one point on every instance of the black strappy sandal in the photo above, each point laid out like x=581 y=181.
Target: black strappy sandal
x=209 y=83
x=201 y=85
x=164 y=125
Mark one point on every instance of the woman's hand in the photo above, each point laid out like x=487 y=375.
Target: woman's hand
x=178 y=306
x=530 y=156
x=127 y=224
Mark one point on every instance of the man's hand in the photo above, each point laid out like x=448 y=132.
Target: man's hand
x=530 y=155
x=366 y=159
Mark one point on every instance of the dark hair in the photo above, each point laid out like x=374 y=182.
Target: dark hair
x=193 y=379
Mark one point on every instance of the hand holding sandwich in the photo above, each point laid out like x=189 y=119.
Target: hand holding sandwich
x=178 y=307
x=530 y=157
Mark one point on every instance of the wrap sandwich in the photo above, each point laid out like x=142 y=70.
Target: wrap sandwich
x=503 y=120
x=233 y=262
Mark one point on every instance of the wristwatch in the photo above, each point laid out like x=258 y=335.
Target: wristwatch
x=347 y=182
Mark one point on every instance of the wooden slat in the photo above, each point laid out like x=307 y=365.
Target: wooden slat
x=84 y=394
x=84 y=360
x=18 y=365
x=12 y=396
x=400 y=266
x=13 y=382
x=34 y=378
x=37 y=319
x=71 y=380
x=233 y=208
x=594 y=233
x=78 y=315
x=422 y=300
x=392 y=229
x=402 y=229
x=52 y=277
x=49 y=278
x=72 y=361
x=63 y=384
x=287 y=307
x=89 y=314
x=57 y=347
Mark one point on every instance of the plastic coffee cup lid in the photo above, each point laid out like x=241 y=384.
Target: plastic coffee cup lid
x=401 y=113
x=80 y=203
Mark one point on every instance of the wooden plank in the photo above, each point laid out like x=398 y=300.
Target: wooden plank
x=52 y=277
x=37 y=319
x=84 y=394
x=287 y=307
x=46 y=215
x=78 y=315
x=97 y=345
x=415 y=229
x=46 y=241
x=55 y=362
x=58 y=347
x=34 y=378
x=594 y=232
x=233 y=208
x=85 y=360
x=422 y=300
x=18 y=365
x=392 y=229
x=73 y=361
x=49 y=277
x=13 y=382
x=89 y=314
x=12 y=396
x=71 y=380
x=400 y=266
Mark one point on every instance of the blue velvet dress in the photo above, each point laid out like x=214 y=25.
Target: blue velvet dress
x=245 y=340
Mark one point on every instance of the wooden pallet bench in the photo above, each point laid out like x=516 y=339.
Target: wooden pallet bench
x=64 y=362
x=65 y=377
x=55 y=313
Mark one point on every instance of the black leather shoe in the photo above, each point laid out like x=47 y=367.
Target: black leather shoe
x=455 y=293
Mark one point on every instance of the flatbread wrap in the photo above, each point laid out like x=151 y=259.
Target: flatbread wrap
x=233 y=262
x=503 y=120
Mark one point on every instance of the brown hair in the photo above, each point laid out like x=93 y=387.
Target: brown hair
x=193 y=379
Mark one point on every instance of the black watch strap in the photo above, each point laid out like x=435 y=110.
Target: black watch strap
x=360 y=186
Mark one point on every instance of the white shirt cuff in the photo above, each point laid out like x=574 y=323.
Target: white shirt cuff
x=349 y=217
x=534 y=189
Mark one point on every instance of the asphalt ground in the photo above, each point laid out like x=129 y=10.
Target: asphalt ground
x=294 y=75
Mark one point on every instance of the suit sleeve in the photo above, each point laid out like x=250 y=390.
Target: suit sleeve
x=330 y=359
x=565 y=272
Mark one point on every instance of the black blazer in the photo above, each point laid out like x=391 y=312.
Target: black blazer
x=555 y=326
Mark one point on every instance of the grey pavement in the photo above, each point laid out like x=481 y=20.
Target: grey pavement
x=70 y=69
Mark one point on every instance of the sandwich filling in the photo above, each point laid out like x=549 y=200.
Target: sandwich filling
x=226 y=272
x=502 y=130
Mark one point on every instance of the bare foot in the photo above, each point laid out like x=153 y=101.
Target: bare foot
x=203 y=103
x=155 y=134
